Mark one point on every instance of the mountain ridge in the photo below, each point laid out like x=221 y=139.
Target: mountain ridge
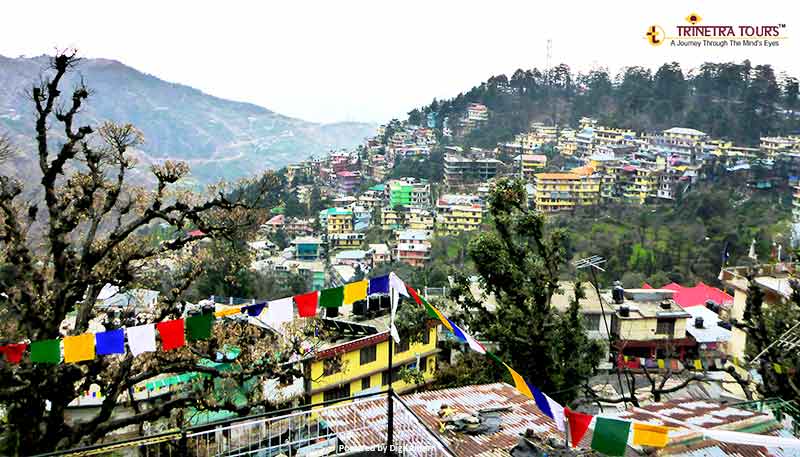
x=219 y=138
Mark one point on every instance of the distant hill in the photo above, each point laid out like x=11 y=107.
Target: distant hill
x=219 y=138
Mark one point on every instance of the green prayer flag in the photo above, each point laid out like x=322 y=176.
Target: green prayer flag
x=331 y=298
x=495 y=358
x=610 y=436
x=46 y=351
x=199 y=327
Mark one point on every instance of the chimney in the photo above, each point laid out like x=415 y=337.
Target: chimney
x=698 y=322
x=624 y=311
x=665 y=304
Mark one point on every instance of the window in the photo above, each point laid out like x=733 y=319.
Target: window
x=337 y=393
x=591 y=321
x=423 y=364
x=368 y=354
x=365 y=383
x=426 y=336
x=385 y=377
x=401 y=347
x=331 y=366
x=665 y=326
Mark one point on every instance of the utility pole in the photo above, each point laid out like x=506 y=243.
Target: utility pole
x=390 y=390
x=593 y=263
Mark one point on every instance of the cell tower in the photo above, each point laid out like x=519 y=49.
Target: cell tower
x=549 y=59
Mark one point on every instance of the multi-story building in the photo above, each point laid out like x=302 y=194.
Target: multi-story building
x=391 y=219
x=413 y=247
x=419 y=219
x=347 y=181
x=679 y=144
x=636 y=183
x=530 y=164
x=796 y=204
x=336 y=220
x=380 y=253
x=307 y=248
x=350 y=240
x=776 y=145
x=409 y=193
x=350 y=366
x=458 y=213
x=296 y=226
x=567 y=145
x=565 y=191
x=460 y=170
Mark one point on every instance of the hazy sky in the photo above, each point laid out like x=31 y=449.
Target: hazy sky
x=339 y=60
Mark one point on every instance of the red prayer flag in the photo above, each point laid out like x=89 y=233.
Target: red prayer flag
x=578 y=425
x=172 y=334
x=13 y=352
x=307 y=304
x=414 y=294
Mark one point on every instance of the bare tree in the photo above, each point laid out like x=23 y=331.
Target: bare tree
x=89 y=234
x=6 y=148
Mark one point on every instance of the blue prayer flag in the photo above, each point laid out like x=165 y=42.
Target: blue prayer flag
x=379 y=285
x=541 y=401
x=457 y=331
x=255 y=310
x=110 y=342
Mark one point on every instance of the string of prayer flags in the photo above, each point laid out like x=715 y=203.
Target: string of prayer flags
x=578 y=425
x=610 y=436
x=199 y=327
x=46 y=351
x=110 y=342
x=255 y=309
x=519 y=382
x=355 y=291
x=279 y=312
x=379 y=285
x=698 y=365
x=650 y=435
x=78 y=348
x=307 y=303
x=141 y=339
x=331 y=298
x=13 y=352
x=172 y=334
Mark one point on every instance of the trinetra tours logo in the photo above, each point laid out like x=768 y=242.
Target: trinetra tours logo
x=699 y=34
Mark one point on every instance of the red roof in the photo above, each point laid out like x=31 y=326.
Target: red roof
x=276 y=220
x=196 y=233
x=697 y=295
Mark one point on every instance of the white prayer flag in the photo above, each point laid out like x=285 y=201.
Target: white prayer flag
x=558 y=412
x=141 y=339
x=279 y=312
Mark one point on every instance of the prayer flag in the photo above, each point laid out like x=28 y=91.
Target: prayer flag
x=778 y=368
x=255 y=309
x=141 y=339
x=474 y=344
x=307 y=303
x=610 y=436
x=279 y=312
x=172 y=334
x=199 y=327
x=520 y=383
x=379 y=285
x=46 y=351
x=13 y=352
x=456 y=331
x=227 y=312
x=78 y=348
x=331 y=298
x=495 y=358
x=541 y=401
x=355 y=291
x=578 y=425
x=650 y=435
x=397 y=284
x=661 y=363
x=110 y=342
x=558 y=412
x=698 y=365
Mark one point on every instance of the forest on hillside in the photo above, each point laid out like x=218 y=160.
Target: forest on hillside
x=735 y=101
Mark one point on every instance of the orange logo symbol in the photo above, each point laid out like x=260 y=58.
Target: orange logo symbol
x=655 y=35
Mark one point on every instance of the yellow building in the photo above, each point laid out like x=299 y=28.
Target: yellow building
x=779 y=144
x=565 y=191
x=337 y=220
x=566 y=144
x=391 y=219
x=530 y=164
x=459 y=218
x=419 y=219
x=350 y=240
x=345 y=369
x=637 y=183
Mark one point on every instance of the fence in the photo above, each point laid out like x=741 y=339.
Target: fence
x=335 y=427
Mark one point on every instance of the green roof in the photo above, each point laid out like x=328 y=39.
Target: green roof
x=378 y=187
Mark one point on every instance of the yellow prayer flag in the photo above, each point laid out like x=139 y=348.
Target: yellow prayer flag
x=78 y=348
x=778 y=368
x=649 y=435
x=227 y=312
x=661 y=363
x=355 y=291
x=442 y=319
x=520 y=383
x=698 y=365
